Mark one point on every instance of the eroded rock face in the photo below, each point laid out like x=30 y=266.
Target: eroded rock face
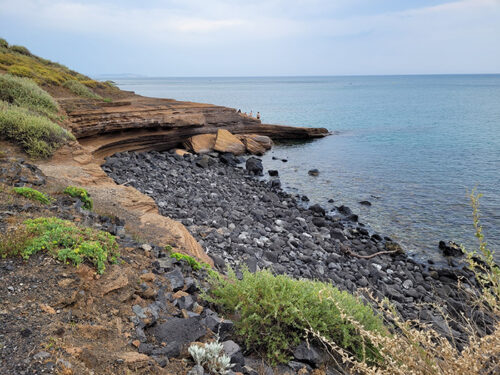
x=142 y=124
x=227 y=142
x=253 y=147
x=263 y=140
x=201 y=144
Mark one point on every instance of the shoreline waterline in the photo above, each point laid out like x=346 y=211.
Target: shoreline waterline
x=416 y=142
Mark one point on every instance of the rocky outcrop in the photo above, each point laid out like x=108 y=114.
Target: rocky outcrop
x=200 y=144
x=256 y=144
x=226 y=142
x=138 y=210
x=139 y=123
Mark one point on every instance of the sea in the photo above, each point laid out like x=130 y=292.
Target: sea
x=414 y=146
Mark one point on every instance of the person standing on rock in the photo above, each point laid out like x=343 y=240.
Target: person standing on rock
x=251 y=114
x=258 y=115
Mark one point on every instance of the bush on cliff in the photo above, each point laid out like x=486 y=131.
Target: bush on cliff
x=21 y=62
x=20 y=49
x=37 y=135
x=26 y=93
x=32 y=194
x=80 y=89
x=63 y=240
x=80 y=193
x=273 y=313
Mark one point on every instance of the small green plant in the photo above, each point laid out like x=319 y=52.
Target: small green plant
x=80 y=89
x=211 y=357
x=80 y=193
x=32 y=194
x=37 y=135
x=3 y=43
x=62 y=239
x=25 y=93
x=273 y=312
x=195 y=265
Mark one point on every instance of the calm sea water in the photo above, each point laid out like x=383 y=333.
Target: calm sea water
x=411 y=145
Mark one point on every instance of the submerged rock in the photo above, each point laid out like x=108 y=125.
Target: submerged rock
x=450 y=249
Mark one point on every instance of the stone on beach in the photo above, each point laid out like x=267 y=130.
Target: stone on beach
x=256 y=144
x=181 y=152
x=245 y=220
x=254 y=166
x=201 y=143
x=227 y=142
x=253 y=147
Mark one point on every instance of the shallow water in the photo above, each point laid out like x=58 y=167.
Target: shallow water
x=411 y=145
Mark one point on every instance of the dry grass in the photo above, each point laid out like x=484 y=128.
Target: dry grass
x=416 y=348
x=19 y=61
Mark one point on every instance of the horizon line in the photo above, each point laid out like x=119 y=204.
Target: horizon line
x=136 y=76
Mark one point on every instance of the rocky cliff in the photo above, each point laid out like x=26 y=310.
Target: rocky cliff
x=140 y=123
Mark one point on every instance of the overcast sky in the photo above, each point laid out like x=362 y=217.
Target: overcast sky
x=259 y=37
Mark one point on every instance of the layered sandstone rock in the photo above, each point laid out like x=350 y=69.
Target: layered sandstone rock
x=253 y=147
x=265 y=141
x=227 y=142
x=137 y=123
x=201 y=144
x=256 y=144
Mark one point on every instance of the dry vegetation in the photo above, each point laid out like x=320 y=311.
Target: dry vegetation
x=415 y=348
x=19 y=61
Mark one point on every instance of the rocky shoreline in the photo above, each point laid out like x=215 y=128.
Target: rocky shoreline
x=243 y=220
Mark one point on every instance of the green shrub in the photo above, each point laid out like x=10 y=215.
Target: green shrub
x=21 y=71
x=64 y=241
x=110 y=83
x=274 y=312
x=37 y=135
x=195 y=265
x=80 y=193
x=3 y=43
x=27 y=94
x=32 y=194
x=80 y=89
x=20 y=49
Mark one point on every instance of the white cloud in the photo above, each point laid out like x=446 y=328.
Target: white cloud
x=324 y=32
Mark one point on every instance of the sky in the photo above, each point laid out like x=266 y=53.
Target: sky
x=259 y=37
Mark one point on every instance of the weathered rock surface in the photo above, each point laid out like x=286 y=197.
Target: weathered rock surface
x=201 y=143
x=227 y=142
x=256 y=144
x=179 y=333
x=141 y=123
